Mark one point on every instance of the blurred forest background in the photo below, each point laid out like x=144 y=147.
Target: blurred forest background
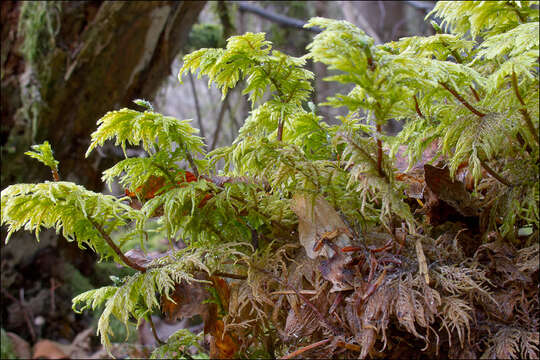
x=64 y=65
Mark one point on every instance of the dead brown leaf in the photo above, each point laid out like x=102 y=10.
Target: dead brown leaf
x=315 y=219
x=47 y=349
x=452 y=192
x=222 y=344
x=20 y=346
x=186 y=300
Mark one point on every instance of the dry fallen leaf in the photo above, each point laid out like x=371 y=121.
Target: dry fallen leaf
x=322 y=232
x=450 y=191
x=20 y=346
x=47 y=349
x=187 y=300
x=315 y=219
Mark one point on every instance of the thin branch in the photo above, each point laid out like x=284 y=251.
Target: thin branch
x=366 y=154
x=305 y=348
x=197 y=106
x=494 y=174
x=219 y=122
x=524 y=111
x=461 y=99
x=529 y=123
x=191 y=162
x=229 y=275
x=425 y=6
x=225 y=18
x=379 y=152
x=115 y=248
x=417 y=108
x=516 y=89
x=55 y=175
x=280 y=19
x=24 y=311
x=475 y=94
x=280 y=130
x=154 y=332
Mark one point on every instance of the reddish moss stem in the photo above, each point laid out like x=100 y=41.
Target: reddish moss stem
x=475 y=94
x=523 y=110
x=116 y=249
x=417 y=107
x=280 y=130
x=462 y=100
x=229 y=275
x=379 y=152
x=494 y=174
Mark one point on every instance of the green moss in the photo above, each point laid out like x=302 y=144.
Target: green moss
x=38 y=24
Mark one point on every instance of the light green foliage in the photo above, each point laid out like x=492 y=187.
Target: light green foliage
x=473 y=93
x=44 y=154
x=136 y=295
x=155 y=131
x=65 y=207
x=182 y=339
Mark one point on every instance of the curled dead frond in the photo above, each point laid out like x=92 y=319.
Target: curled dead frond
x=513 y=343
x=456 y=316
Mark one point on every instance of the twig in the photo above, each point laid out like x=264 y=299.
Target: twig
x=366 y=154
x=524 y=111
x=347 y=346
x=225 y=18
x=219 y=121
x=462 y=100
x=24 y=311
x=417 y=108
x=54 y=286
x=379 y=152
x=115 y=248
x=280 y=130
x=475 y=94
x=280 y=19
x=55 y=175
x=229 y=275
x=305 y=348
x=197 y=107
x=290 y=292
x=494 y=174
x=529 y=123
x=189 y=158
x=308 y=303
x=154 y=332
